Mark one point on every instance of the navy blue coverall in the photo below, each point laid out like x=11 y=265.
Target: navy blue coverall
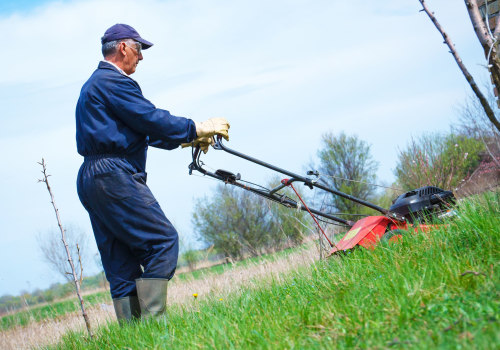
x=114 y=126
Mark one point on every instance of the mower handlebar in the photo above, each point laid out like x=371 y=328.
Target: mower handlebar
x=218 y=145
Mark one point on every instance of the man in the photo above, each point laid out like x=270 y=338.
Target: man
x=114 y=126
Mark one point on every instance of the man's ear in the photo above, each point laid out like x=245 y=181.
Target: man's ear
x=121 y=48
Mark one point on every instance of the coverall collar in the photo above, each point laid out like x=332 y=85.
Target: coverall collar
x=115 y=66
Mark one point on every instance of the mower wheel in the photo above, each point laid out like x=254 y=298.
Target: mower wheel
x=393 y=235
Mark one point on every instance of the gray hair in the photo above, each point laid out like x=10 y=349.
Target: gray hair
x=111 y=47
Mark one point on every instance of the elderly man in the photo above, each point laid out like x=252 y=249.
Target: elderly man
x=114 y=126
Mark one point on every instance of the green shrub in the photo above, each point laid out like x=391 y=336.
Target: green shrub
x=437 y=160
x=239 y=223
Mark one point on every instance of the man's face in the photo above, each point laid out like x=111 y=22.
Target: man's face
x=132 y=55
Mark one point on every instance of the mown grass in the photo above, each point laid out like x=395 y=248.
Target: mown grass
x=51 y=310
x=435 y=290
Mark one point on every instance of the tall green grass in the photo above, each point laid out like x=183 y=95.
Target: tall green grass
x=435 y=290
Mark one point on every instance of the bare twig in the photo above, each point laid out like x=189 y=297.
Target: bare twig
x=53 y=251
x=45 y=179
x=473 y=273
x=484 y=102
x=80 y=262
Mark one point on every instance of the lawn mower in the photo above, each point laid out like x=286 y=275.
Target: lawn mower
x=411 y=211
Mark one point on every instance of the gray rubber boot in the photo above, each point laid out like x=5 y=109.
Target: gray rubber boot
x=152 y=294
x=127 y=308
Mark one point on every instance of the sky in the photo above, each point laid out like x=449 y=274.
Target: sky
x=282 y=72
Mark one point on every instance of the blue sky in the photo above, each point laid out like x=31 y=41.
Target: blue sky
x=282 y=72
x=16 y=6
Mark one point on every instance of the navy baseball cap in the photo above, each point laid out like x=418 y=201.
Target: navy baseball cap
x=124 y=31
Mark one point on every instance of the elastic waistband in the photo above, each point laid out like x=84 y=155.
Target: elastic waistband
x=101 y=156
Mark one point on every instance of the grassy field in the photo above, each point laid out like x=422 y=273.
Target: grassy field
x=60 y=308
x=438 y=290
x=51 y=310
x=222 y=268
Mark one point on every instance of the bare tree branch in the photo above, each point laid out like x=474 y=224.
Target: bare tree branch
x=45 y=179
x=487 y=39
x=480 y=27
x=468 y=76
x=497 y=28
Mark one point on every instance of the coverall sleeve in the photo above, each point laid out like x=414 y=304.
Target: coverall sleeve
x=129 y=105
x=163 y=144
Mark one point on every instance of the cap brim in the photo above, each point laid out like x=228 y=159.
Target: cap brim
x=145 y=44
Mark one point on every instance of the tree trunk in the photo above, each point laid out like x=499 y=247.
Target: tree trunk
x=482 y=99
x=488 y=42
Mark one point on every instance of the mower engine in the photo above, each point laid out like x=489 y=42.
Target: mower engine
x=423 y=204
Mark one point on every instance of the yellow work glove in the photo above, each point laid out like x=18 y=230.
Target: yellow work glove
x=213 y=126
x=203 y=142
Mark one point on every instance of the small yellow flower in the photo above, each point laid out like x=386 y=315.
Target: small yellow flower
x=195 y=295
x=220 y=299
